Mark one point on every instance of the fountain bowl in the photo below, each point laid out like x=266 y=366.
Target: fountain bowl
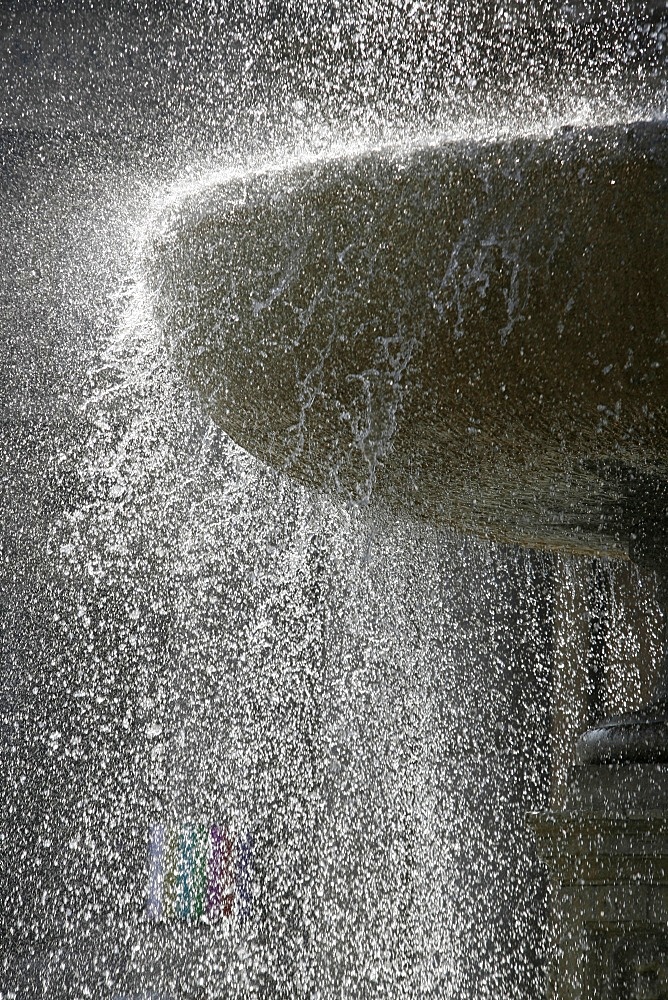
x=473 y=332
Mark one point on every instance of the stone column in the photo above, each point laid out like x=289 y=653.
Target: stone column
x=605 y=836
x=607 y=853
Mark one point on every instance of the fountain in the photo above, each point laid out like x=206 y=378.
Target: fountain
x=473 y=334
x=271 y=725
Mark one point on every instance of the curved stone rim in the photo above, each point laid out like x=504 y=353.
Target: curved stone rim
x=634 y=738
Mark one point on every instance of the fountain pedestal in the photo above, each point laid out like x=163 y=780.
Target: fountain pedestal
x=607 y=853
x=606 y=848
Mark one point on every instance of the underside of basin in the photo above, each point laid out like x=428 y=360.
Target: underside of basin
x=474 y=333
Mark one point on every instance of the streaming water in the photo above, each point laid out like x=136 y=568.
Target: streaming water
x=258 y=740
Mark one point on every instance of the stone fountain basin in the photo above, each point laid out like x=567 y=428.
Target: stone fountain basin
x=474 y=333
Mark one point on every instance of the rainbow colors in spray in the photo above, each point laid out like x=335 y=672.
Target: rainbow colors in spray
x=198 y=872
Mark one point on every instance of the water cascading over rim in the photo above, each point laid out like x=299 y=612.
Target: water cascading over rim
x=473 y=332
